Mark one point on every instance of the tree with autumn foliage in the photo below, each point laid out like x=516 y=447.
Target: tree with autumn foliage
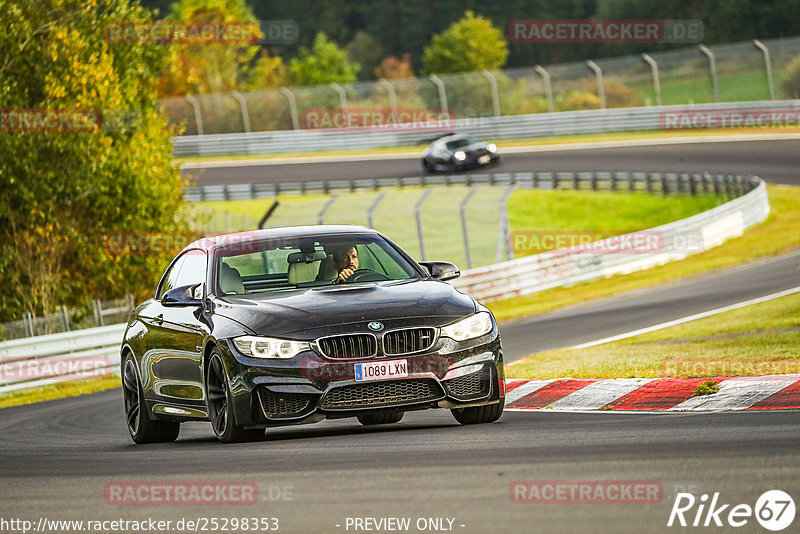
x=218 y=67
x=84 y=155
x=393 y=67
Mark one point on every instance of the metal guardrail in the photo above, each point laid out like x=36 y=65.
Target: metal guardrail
x=651 y=182
x=53 y=358
x=508 y=127
x=80 y=354
x=531 y=274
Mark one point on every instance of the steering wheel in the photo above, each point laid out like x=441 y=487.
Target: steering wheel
x=365 y=275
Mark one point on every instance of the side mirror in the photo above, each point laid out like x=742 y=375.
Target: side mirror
x=441 y=270
x=180 y=296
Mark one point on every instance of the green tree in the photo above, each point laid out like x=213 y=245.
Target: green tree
x=66 y=187
x=472 y=43
x=324 y=63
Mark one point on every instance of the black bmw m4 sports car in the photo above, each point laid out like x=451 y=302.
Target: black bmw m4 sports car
x=296 y=325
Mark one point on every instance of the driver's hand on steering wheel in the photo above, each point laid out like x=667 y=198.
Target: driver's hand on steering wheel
x=344 y=275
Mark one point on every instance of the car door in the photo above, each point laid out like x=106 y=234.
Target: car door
x=177 y=334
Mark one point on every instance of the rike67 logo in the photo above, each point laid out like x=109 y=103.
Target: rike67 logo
x=774 y=510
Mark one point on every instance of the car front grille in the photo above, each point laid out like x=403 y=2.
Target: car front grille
x=348 y=346
x=282 y=404
x=408 y=340
x=379 y=394
x=472 y=386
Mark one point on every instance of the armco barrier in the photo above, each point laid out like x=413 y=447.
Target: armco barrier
x=41 y=360
x=80 y=354
x=650 y=182
x=530 y=274
x=506 y=127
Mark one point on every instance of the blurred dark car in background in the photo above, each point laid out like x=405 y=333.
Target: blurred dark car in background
x=457 y=152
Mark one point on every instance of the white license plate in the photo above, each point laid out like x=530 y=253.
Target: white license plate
x=484 y=159
x=381 y=370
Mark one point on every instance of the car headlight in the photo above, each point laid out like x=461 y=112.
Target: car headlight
x=469 y=328
x=268 y=347
x=460 y=155
x=491 y=147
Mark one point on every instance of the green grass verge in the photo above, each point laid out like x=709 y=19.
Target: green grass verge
x=530 y=210
x=57 y=391
x=778 y=234
x=761 y=339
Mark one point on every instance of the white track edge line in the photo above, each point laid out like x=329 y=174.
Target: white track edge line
x=688 y=318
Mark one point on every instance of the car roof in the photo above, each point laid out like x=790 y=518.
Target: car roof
x=213 y=242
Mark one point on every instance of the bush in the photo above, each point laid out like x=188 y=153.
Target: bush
x=577 y=100
x=791 y=83
x=619 y=95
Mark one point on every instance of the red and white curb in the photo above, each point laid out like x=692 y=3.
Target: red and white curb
x=774 y=392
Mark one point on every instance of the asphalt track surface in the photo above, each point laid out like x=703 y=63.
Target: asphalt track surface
x=775 y=161
x=58 y=456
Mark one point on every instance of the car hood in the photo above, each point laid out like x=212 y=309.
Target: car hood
x=309 y=313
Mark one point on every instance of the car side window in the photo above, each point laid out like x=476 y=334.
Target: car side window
x=170 y=278
x=193 y=271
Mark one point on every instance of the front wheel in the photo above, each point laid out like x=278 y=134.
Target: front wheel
x=478 y=414
x=370 y=419
x=141 y=428
x=220 y=406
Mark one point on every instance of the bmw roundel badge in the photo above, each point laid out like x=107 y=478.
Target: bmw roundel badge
x=375 y=325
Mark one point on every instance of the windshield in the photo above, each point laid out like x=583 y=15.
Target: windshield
x=461 y=143
x=308 y=262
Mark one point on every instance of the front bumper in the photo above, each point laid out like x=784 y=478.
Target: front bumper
x=478 y=158
x=310 y=387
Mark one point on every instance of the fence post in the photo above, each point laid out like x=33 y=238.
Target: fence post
x=392 y=94
x=495 y=94
x=764 y=50
x=712 y=67
x=442 y=92
x=325 y=208
x=504 y=230
x=245 y=113
x=65 y=318
x=98 y=312
x=372 y=208
x=27 y=322
x=462 y=208
x=598 y=73
x=654 y=72
x=292 y=107
x=198 y=120
x=342 y=96
x=548 y=88
x=418 y=216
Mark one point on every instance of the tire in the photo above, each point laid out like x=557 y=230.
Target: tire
x=220 y=406
x=478 y=414
x=380 y=418
x=426 y=165
x=137 y=418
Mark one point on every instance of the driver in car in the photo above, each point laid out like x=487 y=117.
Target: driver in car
x=345 y=259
